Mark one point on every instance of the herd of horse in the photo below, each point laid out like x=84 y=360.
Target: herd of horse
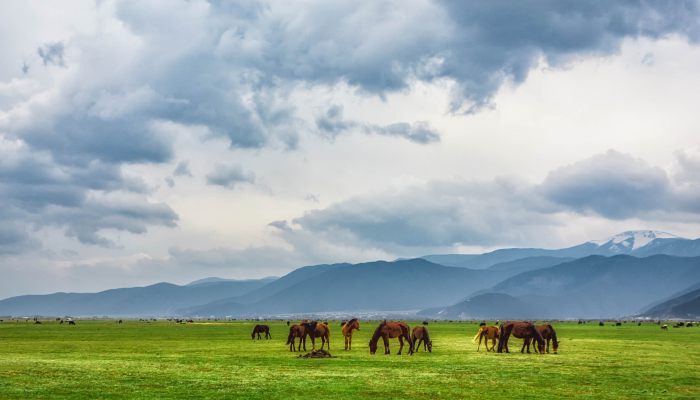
x=541 y=335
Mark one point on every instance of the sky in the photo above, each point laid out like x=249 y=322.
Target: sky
x=148 y=141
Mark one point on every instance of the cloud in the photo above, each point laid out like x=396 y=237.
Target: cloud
x=51 y=54
x=182 y=169
x=14 y=240
x=229 y=175
x=613 y=185
x=449 y=213
x=332 y=124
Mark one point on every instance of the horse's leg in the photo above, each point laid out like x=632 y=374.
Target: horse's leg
x=386 y=345
x=401 y=343
x=346 y=342
x=350 y=341
x=328 y=340
x=548 y=339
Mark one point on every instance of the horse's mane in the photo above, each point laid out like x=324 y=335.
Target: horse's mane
x=426 y=334
x=377 y=333
x=352 y=321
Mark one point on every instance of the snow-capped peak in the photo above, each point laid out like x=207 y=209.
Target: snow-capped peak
x=633 y=240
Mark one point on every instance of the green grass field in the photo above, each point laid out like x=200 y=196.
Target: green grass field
x=103 y=359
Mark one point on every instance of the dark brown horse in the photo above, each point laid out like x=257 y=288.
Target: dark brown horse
x=348 y=327
x=549 y=334
x=296 y=331
x=388 y=330
x=322 y=331
x=258 y=329
x=420 y=334
x=521 y=330
x=486 y=333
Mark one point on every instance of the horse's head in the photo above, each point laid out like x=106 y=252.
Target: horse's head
x=372 y=347
x=555 y=347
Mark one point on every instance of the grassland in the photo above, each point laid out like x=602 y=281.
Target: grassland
x=103 y=359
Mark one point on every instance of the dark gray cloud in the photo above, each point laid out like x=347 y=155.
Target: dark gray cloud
x=332 y=123
x=81 y=199
x=441 y=213
x=182 y=169
x=229 y=175
x=52 y=54
x=15 y=240
x=447 y=213
x=613 y=185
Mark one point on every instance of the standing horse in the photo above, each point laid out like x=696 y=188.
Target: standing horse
x=388 y=330
x=347 y=329
x=322 y=331
x=487 y=333
x=296 y=331
x=420 y=334
x=521 y=330
x=549 y=334
x=258 y=329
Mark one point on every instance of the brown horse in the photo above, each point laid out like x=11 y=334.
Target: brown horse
x=487 y=333
x=296 y=331
x=258 y=329
x=315 y=330
x=521 y=330
x=549 y=334
x=388 y=330
x=420 y=334
x=347 y=329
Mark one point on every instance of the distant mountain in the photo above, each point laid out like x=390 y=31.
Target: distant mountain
x=683 y=306
x=529 y=264
x=636 y=243
x=207 y=281
x=161 y=299
x=380 y=285
x=598 y=286
x=497 y=306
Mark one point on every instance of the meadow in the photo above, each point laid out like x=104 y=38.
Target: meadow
x=103 y=359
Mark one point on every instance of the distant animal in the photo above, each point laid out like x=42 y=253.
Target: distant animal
x=296 y=331
x=389 y=330
x=71 y=322
x=639 y=324
x=347 y=328
x=319 y=330
x=601 y=323
x=580 y=322
x=288 y=322
x=425 y=322
x=664 y=327
x=120 y=321
x=486 y=333
x=482 y=323
x=548 y=334
x=61 y=322
x=618 y=323
x=689 y=324
x=421 y=334
x=521 y=330
x=258 y=329
x=37 y=322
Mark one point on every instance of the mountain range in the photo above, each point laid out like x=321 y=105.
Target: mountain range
x=624 y=275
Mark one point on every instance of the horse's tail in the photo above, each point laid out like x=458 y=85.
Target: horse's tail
x=478 y=334
x=290 y=338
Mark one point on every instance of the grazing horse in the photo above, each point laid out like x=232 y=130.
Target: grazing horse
x=388 y=330
x=347 y=329
x=664 y=327
x=549 y=334
x=486 y=333
x=258 y=329
x=521 y=330
x=420 y=334
x=296 y=331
